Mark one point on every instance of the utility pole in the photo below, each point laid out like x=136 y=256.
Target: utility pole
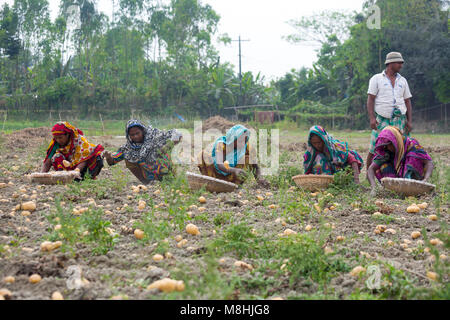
x=240 y=68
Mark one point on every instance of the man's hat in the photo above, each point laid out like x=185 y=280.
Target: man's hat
x=394 y=57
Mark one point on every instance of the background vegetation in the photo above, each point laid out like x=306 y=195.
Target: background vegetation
x=159 y=58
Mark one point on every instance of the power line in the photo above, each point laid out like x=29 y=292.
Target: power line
x=240 y=66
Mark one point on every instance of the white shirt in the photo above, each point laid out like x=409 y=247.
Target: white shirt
x=388 y=97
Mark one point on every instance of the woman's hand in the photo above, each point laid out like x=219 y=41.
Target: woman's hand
x=46 y=166
x=263 y=183
x=428 y=170
x=355 y=172
x=238 y=173
x=108 y=157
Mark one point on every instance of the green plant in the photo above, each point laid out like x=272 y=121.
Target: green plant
x=88 y=228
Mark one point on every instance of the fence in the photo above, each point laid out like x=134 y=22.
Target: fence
x=432 y=119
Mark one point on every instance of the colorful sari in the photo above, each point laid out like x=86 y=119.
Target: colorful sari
x=407 y=161
x=336 y=156
x=76 y=151
x=237 y=158
x=152 y=155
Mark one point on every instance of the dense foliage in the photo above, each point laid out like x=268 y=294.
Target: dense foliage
x=158 y=57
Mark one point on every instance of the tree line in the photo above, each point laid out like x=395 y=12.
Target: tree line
x=159 y=57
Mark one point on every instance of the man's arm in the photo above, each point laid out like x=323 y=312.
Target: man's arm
x=371 y=111
x=408 y=115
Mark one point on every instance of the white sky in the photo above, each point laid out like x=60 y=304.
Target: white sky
x=264 y=23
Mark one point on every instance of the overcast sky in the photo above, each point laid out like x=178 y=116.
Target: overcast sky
x=263 y=22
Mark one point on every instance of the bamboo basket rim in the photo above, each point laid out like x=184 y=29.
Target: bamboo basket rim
x=407 y=186
x=53 y=177
x=314 y=176
x=209 y=182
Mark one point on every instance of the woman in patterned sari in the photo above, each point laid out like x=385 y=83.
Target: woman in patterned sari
x=397 y=156
x=146 y=152
x=327 y=155
x=70 y=150
x=228 y=158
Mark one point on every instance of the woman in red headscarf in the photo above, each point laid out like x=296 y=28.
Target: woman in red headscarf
x=70 y=150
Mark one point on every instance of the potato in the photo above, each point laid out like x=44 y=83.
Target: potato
x=332 y=208
x=390 y=243
x=57 y=296
x=340 y=238
x=289 y=232
x=3 y=185
x=46 y=245
x=390 y=231
x=433 y=217
x=178 y=238
x=157 y=257
x=328 y=250
x=9 y=279
x=308 y=227
x=272 y=206
x=202 y=199
x=5 y=293
x=436 y=242
x=192 y=229
x=66 y=163
x=201 y=209
x=35 y=278
x=141 y=205
x=182 y=243
x=318 y=209
x=377 y=214
x=260 y=198
x=423 y=205
x=168 y=255
x=357 y=271
x=26 y=213
x=413 y=209
x=167 y=285
x=139 y=234
x=415 y=234
x=243 y=265
x=269 y=194
x=432 y=275
x=226 y=164
x=28 y=206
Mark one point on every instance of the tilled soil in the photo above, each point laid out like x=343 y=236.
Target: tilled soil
x=125 y=271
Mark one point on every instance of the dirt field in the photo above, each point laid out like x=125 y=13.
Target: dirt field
x=334 y=233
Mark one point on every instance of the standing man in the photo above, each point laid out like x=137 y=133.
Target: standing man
x=389 y=101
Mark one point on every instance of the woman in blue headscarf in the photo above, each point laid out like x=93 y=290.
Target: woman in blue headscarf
x=229 y=157
x=146 y=152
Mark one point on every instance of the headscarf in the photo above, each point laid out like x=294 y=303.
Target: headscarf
x=337 y=156
x=391 y=135
x=149 y=150
x=409 y=154
x=228 y=140
x=76 y=151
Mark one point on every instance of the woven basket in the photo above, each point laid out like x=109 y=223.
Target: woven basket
x=197 y=181
x=59 y=177
x=313 y=182
x=407 y=187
